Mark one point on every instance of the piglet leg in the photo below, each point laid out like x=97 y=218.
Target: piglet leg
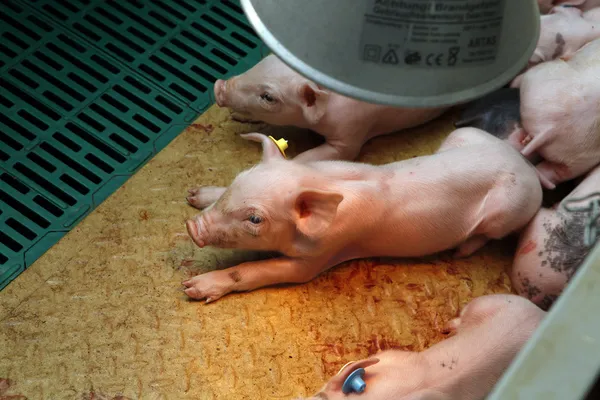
x=204 y=196
x=248 y=276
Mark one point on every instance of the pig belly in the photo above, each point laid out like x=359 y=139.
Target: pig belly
x=393 y=119
x=421 y=234
x=442 y=220
x=350 y=119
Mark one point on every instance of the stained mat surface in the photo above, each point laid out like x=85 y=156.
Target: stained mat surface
x=101 y=314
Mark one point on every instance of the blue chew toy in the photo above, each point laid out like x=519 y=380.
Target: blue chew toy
x=354 y=382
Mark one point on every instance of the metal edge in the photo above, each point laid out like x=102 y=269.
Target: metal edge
x=562 y=358
x=376 y=98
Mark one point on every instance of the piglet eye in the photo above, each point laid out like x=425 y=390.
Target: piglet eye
x=267 y=97
x=255 y=219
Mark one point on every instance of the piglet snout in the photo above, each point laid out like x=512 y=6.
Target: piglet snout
x=220 y=92
x=194 y=227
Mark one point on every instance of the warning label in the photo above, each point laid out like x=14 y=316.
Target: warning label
x=431 y=34
x=390 y=57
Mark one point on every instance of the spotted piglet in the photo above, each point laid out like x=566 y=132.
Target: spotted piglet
x=556 y=241
x=564 y=31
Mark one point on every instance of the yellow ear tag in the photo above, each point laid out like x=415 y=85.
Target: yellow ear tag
x=282 y=144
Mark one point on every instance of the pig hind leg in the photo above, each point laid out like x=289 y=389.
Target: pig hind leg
x=204 y=196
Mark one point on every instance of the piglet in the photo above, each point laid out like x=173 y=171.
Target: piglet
x=274 y=93
x=564 y=31
x=560 y=118
x=584 y=5
x=556 y=242
x=485 y=339
x=319 y=214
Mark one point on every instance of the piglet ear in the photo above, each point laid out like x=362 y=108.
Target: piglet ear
x=315 y=210
x=270 y=149
x=313 y=101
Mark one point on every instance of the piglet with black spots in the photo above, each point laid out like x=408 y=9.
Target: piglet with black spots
x=486 y=337
x=555 y=243
x=274 y=93
x=319 y=214
x=563 y=31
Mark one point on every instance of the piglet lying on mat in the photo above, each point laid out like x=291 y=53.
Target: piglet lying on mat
x=274 y=93
x=475 y=188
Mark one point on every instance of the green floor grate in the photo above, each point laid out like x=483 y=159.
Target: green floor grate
x=89 y=91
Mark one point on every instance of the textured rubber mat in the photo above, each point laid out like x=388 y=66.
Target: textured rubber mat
x=89 y=91
x=100 y=315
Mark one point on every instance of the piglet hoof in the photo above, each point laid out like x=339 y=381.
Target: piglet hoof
x=203 y=197
x=206 y=287
x=451 y=327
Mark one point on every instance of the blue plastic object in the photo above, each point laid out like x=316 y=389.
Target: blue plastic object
x=354 y=382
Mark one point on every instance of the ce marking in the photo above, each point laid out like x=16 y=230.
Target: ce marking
x=438 y=59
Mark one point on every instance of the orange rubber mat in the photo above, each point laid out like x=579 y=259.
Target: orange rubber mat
x=102 y=316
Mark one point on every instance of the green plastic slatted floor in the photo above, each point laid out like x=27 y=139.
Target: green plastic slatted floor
x=90 y=90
